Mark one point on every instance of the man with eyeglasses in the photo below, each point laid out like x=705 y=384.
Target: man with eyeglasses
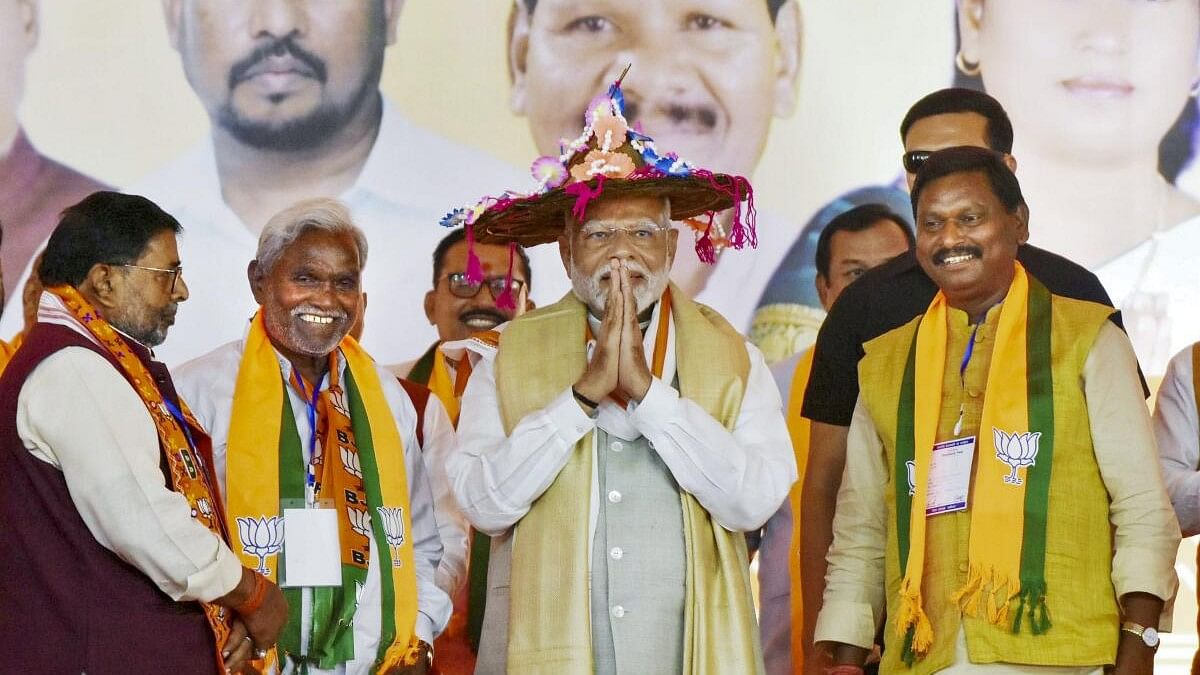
x=458 y=307
x=888 y=297
x=617 y=444
x=112 y=530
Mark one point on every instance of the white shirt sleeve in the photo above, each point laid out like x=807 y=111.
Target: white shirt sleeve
x=452 y=526
x=109 y=456
x=495 y=477
x=1178 y=434
x=433 y=604
x=1145 y=531
x=740 y=476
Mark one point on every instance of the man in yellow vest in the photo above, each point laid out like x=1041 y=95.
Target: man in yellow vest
x=315 y=448
x=996 y=496
x=618 y=442
x=853 y=242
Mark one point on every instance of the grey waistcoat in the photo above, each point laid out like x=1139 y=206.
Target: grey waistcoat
x=646 y=581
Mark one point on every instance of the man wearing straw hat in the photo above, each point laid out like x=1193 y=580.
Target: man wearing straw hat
x=616 y=444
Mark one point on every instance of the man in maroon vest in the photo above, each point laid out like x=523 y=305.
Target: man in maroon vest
x=113 y=550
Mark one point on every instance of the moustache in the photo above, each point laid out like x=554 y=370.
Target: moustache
x=939 y=258
x=679 y=114
x=483 y=314
x=277 y=47
x=633 y=267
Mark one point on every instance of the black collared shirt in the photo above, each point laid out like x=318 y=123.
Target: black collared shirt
x=890 y=296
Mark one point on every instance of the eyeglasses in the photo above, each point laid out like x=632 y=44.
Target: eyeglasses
x=596 y=236
x=914 y=160
x=461 y=288
x=175 y=272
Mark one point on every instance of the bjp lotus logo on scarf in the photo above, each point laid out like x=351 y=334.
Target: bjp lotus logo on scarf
x=393 y=529
x=261 y=537
x=360 y=521
x=1017 y=450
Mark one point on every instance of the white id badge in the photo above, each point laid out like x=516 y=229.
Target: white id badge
x=312 y=554
x=950 y=476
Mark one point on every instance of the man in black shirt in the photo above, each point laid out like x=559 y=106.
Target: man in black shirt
x=886 y=298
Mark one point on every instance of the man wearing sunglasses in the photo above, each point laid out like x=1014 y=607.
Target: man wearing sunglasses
x=888 y=297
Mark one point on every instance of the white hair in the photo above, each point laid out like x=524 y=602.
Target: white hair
x=285 y=227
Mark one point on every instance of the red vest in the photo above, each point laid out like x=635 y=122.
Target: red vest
x=67 y=604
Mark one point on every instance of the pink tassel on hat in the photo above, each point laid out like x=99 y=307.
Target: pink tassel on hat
x=584 y=194
x=474 y=268
x=705 y=250
x=506 y=299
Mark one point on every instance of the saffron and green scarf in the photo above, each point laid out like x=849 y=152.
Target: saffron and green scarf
x=265 y=465
x=1007 y=546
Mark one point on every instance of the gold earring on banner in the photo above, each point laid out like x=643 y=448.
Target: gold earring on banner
x=968 y=69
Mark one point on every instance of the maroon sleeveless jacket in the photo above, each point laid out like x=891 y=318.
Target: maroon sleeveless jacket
x=67 y=604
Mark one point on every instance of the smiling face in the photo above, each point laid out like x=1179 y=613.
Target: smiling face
x=967 y=241
x=635 y=230
x=457 y=318
x=282 y=75
x=311 y=297
x=1083 y=82
x=706 y=75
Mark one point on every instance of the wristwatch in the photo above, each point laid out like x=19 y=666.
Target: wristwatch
x=1149 y=635
x=429 y=653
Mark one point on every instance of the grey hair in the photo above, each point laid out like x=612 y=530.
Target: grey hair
x=285 y=227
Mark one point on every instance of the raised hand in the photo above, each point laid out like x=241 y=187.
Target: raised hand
x=634 y=377
x=600 y=378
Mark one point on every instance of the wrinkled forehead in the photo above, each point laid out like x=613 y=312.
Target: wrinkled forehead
x=625 y=211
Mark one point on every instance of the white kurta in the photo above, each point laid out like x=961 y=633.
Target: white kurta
x=739 y=476
x=79 y=414
x=207 y=384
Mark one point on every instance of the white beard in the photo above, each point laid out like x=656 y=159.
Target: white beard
x=593 y=290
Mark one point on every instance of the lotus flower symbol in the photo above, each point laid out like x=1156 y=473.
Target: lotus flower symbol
x=360 y=521
x=393 y=529
x=912 y=477
x=204 y=507
x=261 y=537
x=1016 y=450
x=350 y=461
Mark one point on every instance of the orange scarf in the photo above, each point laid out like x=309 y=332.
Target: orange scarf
x=189 y=476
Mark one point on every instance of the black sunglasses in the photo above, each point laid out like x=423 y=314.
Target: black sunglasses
x=461 y=288
x=914 y=160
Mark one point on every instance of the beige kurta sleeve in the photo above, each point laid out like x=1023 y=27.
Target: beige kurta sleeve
x=854 y=584
x=1146 y=534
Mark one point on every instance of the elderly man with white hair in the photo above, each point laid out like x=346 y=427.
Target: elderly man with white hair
x=316 y=452
x=617 y=443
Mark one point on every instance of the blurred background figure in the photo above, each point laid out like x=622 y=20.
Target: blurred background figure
x=1092 y=89
x=706 y=80
x=33 y=187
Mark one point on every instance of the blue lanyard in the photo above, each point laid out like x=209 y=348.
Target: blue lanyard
x=178 y=415
x=310 y=403
x=962 y=375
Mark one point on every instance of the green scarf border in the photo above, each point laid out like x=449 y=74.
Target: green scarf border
x=1031 y=599
x=332 y=641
